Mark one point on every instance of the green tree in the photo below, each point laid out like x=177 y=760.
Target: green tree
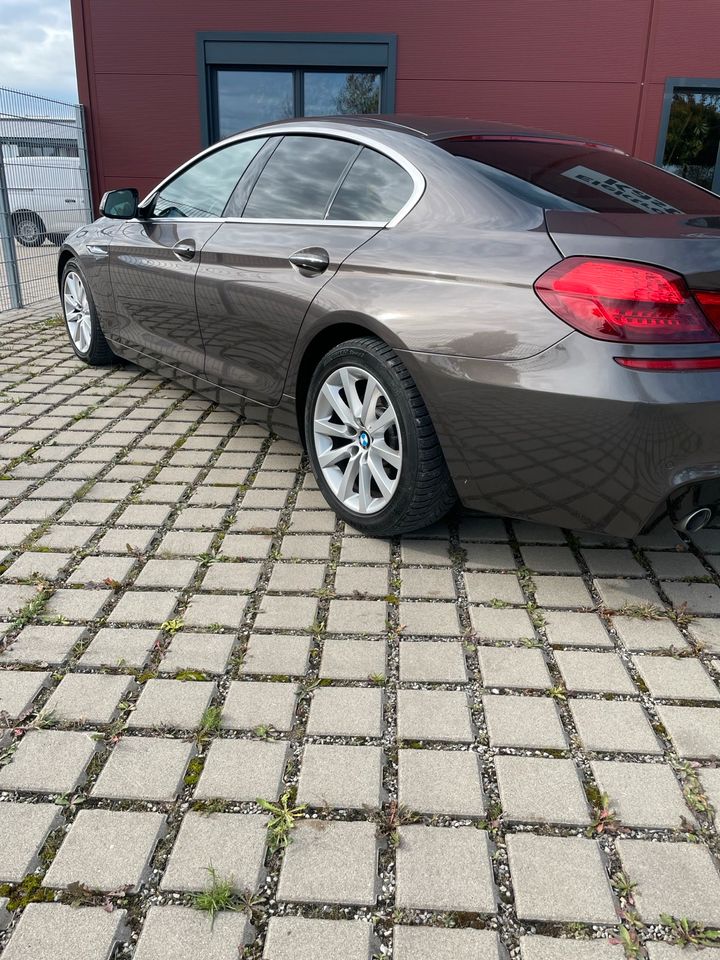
x=361 y=94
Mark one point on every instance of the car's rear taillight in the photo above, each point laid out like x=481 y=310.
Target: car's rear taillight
x=629 y=302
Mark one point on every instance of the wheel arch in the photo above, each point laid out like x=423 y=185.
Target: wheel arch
x=63 y=258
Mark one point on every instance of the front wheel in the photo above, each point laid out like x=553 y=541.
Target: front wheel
x=371 y=442
x=28 y=228
x=81 y=319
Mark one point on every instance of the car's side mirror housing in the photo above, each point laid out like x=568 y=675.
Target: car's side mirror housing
x=120 y=204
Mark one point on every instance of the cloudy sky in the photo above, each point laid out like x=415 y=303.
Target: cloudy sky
x=37 y=54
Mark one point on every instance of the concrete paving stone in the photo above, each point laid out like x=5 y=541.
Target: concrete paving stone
x=76 y=604
x=530 y=722
x=670 y=678
x=357 y=616
x=671 y=565
x=186 y=544
x=13 y=534
x=211 y=608
x=273 y=479
x=432 y=943
x=237 y=577
x=172 y=704
x=144 y=606
x=32 y=510
x=312 y=521
x=429 y=619
x=50 y=489
x=118 y=647
x=184 y=475
x=665 y=951
x=87 y=512
x=144 y=768
x=491 y=624
x=706 y=631
x=53 y=931
x=48 y=761
x=707 y=540
x=444 y=868
x=562 y=592
x=423 y=584
x=286 y=613
x=250 y=704
x=243 y=770
x=109 y=491
x=614 y=727
x=293 y=577
x=42 y=645
x=416 y=552
x=552 y=948
x=256 y=521
x=485 y=587
x=488 y=556
x=295 y=938
x=23 y=830
x=560 y=879
x=5 y=916
x=87 y=698
x=345 y=712
x=360 y=582
x=661 y=634
x=30 y=565
x=304 y=546
x=550 y=559
x=170 y=493
x=617 y=593
x=330 y=862
x=13 y=597
x=432 y=661
x=18 y=689
x=186 y=934
x=203 y=652
x=353 y=659
x=263 y=499
x=334 y=775
x=441 y=715
x=538 y=790
x=699 y=598
x=586 y=672
x=233 y=844
x=680 y=879
x=199 y=518
x=107 y=850
x=695 y=731
x=513 y=667
x=138 y=540
x=60 y=537
x=166 y=573
x=642 y=794
x=96 y=570
x=276 y=655
x=572 y=629
x=364 y=550
x=441 y=782
x=612 y=563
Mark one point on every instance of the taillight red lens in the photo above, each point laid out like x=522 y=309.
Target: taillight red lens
x=628 y=302
x=664 y=363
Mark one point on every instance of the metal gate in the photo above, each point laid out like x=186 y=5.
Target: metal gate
x=44 y=191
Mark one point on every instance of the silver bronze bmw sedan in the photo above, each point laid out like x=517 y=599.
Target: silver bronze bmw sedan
x=438 y=308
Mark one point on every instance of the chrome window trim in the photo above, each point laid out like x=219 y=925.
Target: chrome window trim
x=375 y=224
x=309 y=129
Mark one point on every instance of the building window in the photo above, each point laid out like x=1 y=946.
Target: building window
x=690 y=131
x=249 y=79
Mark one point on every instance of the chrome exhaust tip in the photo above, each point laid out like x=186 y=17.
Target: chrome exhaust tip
x=695 y=520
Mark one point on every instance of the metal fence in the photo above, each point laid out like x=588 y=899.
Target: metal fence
x=44 y=191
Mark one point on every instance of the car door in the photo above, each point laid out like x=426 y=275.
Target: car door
x=154 y=258
x=277 y=247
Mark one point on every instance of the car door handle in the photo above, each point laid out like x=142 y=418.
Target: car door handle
x=184 y=249
x=311 y=261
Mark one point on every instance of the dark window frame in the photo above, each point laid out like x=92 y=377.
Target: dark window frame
x=671 y=85
x=314 y=52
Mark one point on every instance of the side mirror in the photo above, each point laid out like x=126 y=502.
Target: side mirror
x=120 y=204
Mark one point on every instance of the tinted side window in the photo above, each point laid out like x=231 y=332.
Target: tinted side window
x=203 y=189
x=374 y=189
x=299 y=178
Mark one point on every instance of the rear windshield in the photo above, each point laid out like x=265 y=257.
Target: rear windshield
x=588 y=177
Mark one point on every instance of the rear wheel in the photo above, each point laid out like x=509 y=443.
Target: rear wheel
x=371 y=442
x=81 y=319
x=29 y=229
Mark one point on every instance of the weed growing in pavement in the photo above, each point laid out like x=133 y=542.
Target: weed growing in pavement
x=218 y=895
x=282 y=820
x=605 y=819
x=641 y=611
x=209 y=723
x=685 y=933
x=681 y=616
x=623 y=887
x=172 y=626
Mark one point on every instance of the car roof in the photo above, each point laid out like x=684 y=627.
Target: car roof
x=435 y=128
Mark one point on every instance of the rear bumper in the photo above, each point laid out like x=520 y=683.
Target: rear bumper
x=569 y=437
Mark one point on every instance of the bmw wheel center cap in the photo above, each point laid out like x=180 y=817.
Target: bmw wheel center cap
x=363 y=440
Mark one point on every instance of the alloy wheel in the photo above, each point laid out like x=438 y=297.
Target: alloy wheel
x=77 y=311
x=356 y=434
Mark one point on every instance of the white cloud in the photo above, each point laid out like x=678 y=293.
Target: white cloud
x=37 y=53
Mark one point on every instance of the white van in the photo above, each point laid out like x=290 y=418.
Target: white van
x=48 y=197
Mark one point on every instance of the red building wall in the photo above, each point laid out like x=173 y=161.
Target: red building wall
x=591 y=67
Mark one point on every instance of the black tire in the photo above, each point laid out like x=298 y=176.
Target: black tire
x=98 y=353
x=425 y=491
x=29 y=229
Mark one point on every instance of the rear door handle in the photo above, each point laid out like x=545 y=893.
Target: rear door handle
x=184 y=249
x=311 y=261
